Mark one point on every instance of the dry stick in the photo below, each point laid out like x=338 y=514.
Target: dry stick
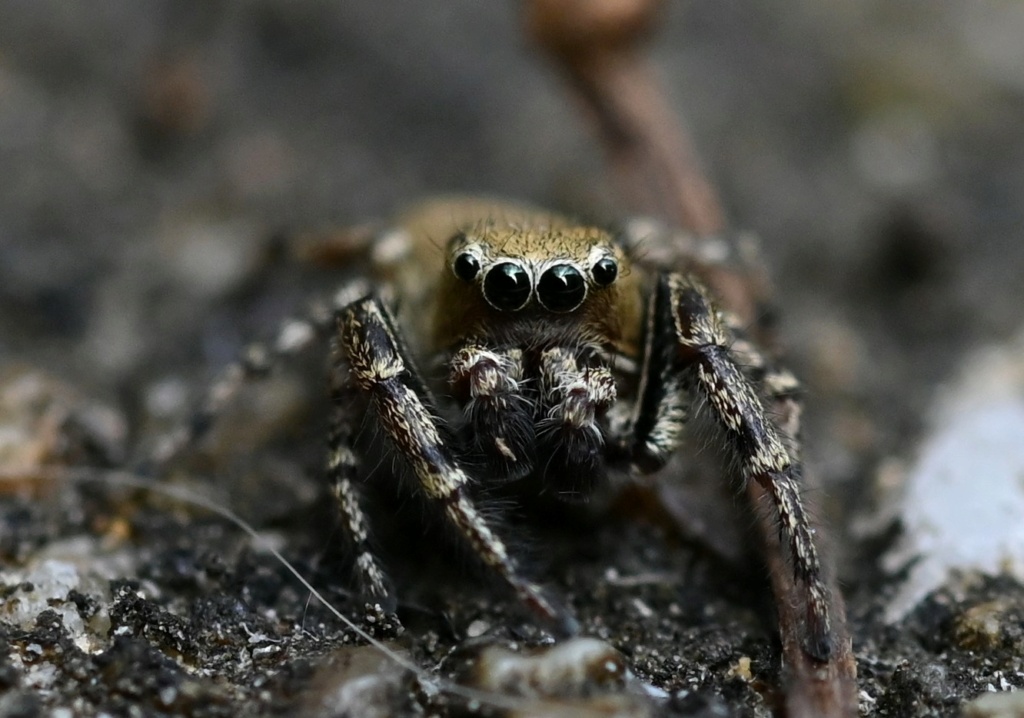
x=596 y=42
x=816 y=689
x=654 y=165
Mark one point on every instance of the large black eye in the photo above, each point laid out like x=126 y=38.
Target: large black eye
x=507 y=286
x=466 y=267
x=605 y=271
x=561 y=288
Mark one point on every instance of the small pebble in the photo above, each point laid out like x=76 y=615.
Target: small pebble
x=566 y=669
x=996 y=705
x=963 y=504
x=980 y=627
x=477 y=628
x=741 y=669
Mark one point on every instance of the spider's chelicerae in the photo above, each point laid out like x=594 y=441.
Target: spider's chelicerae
x=566 y=352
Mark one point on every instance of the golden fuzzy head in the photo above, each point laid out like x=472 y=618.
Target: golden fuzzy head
x=514 y=267
x=518 y=265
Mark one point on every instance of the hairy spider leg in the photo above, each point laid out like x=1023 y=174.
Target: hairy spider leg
x=662 y=409
x=294 y=336
x=689 y=348
x=703 y=344
x=342 y=469
x=380 y=367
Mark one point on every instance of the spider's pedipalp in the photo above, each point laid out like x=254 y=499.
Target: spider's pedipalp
x=499 y=415
x=570 y=435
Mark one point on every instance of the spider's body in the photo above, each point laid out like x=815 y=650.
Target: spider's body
x=565 y=358
x=499 y=343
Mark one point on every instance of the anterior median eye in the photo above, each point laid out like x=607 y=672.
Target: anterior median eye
x=466 y=267
x=561 y=288
x=507 y=286
x=605 y=271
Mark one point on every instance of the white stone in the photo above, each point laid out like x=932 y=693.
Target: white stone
x=963 y=507
x=78 y=563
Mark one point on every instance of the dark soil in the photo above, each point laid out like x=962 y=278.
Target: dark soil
x=152 y=151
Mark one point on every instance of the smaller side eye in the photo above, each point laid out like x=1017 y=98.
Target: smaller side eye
x=605 y=271
x=466 y=267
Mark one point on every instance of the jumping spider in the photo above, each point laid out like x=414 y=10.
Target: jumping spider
x=564 y=352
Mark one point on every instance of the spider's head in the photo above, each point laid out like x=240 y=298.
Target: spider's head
x=550 y=267
x=523 y=275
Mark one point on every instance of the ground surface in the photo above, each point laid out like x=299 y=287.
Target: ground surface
x=152 y=149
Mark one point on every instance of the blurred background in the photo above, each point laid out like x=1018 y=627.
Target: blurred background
x=151 y=150
x=151 y=147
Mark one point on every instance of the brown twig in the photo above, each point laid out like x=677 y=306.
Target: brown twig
x=598 y=44
x=814 y=689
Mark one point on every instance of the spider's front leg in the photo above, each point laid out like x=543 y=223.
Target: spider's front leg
x=689 y=346
x=380 y=367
